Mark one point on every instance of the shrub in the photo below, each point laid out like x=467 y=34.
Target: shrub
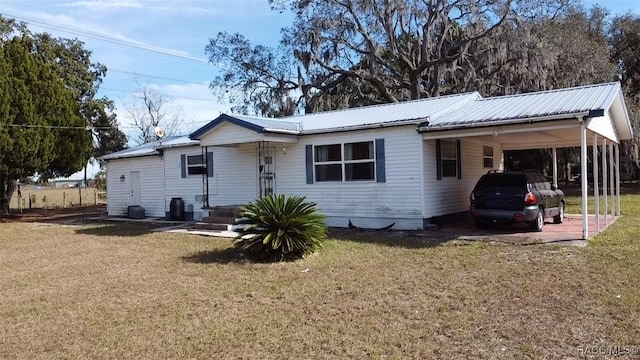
x=277 y=228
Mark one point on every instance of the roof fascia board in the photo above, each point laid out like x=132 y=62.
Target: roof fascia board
x=196 y=135
x=499 y=130
x=365 y=127
x=529 y=120
x=132 y=156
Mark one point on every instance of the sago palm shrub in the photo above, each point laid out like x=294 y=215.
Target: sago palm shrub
x=277 y=228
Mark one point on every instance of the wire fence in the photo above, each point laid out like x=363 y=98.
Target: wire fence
x=36 y=197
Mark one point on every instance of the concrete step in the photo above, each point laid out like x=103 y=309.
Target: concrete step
x=211 y=226
x=219 y=219
x=224 y=211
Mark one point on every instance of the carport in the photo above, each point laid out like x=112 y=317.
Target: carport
x=593 y=115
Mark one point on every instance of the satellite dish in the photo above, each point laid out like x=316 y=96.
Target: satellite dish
x=159 y=132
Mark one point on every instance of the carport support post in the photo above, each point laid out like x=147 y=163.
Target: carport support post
x=605 y=181
x=554 y=153
x=611 y=181
x=596 y=188
x=583 y=179
x=617 y=157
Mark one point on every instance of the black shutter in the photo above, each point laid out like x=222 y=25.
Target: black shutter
x=380 y=161
x=459 y=159
x=438 y=160
x=183 y=165
x=210 y=164
x=309 y=159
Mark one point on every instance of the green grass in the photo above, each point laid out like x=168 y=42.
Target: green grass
x=122 y=291
x=625 y=232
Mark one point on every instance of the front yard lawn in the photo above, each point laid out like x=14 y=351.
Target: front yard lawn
x=120 y=291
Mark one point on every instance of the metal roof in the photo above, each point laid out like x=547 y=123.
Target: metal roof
x=549 y=104
x=151 y=148
x=415 y=111
x=412 y=112
x=438 y=113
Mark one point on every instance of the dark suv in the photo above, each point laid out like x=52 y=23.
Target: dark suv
x=516 y=196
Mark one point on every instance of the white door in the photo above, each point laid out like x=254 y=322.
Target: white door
x=134 y=184
x=266 y=171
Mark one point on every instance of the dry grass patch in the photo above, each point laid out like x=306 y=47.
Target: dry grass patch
x=81 y=292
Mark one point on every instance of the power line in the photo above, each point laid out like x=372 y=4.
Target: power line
x=151 y=76
x=168 y=95
x=112 y=40
x=38 y=126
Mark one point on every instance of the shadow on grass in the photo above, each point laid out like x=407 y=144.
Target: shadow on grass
x=404 y=239
x=123 y=229
x=222 y=256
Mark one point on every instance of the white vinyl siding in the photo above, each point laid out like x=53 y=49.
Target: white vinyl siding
x=604 y=126
x=451 y=195
x=151 y=185
x=188 y=188
x=236 y=172
x=366 y=203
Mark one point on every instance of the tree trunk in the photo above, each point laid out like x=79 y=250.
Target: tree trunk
x=7 y=189
x=3 y=202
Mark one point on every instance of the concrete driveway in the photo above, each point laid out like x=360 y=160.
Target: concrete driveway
x=569 y=232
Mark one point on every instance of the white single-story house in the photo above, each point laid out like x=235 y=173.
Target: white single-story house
x=404 y=163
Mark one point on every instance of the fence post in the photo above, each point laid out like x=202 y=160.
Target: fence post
x=80 y=192
x=64 y=199
x=29 y=201
x=95 y=197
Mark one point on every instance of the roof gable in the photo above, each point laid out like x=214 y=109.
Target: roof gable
x=257 y=124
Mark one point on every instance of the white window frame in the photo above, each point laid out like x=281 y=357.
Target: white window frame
x=485 y=157
x=343 y=162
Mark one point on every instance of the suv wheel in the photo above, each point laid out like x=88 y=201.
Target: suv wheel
x=558 y=219
x=538 y=223
x=479 y=223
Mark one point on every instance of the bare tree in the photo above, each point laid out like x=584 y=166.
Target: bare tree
x=148 y=109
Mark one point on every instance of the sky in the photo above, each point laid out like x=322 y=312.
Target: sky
x=161 y=43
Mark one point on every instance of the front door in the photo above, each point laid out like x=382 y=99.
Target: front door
x=134 y=185
x=266 y=171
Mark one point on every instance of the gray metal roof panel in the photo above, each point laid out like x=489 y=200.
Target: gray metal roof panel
x=419 y=110
x=523 y=106
x=149 y=149
x=268 y=123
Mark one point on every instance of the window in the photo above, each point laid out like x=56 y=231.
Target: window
x=328 y=162
x=358 y=161
x=196 y=165
x=449 y=158
x=348 y=162
x=487 y=159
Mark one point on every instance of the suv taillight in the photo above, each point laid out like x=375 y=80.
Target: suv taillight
x=472 y=199
x=530 y=199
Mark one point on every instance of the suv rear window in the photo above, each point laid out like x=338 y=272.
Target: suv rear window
x=502 y=180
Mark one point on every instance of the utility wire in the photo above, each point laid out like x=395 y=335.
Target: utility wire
x=36 y=126
x=109 y=39
x=151 y=76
